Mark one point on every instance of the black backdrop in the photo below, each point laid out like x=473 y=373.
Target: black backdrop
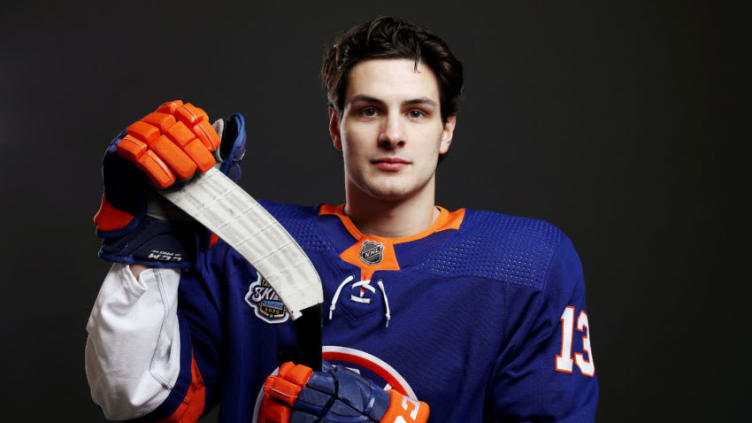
x=602 y=118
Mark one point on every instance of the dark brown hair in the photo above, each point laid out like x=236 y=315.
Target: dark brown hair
x=391 y=38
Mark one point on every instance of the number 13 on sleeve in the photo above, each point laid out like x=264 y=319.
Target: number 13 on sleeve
x=584 y=360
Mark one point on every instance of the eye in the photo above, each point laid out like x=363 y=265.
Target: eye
x=416 y=113
x=369 y=111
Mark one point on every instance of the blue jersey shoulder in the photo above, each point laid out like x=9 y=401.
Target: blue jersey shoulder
x=493 y=245
x=300 y=222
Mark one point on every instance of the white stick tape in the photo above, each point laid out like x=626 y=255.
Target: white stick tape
x=232 y=214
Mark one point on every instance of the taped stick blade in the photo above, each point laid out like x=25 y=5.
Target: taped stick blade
x=232 y=214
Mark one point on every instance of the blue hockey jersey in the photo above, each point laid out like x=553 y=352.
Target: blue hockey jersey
x=482 y=316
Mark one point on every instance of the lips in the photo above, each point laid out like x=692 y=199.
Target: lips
x=390 y=163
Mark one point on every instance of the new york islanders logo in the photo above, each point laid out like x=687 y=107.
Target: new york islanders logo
x=265 y=302
x=372 y=252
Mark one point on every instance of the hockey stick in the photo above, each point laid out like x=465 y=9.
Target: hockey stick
x=223 y=207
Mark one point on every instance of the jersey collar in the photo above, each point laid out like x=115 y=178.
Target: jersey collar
x=446 y=220
x=389 y=260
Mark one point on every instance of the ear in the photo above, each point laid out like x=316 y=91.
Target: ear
x=334 y=129
x=447 y=134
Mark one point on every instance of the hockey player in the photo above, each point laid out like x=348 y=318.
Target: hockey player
x=479 y=315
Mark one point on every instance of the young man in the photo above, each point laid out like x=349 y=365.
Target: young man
x=470 y=312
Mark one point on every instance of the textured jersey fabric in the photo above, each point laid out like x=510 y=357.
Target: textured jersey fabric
x=469 y=316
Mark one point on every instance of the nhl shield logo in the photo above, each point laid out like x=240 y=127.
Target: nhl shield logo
x=372 y=252
x=265 y=302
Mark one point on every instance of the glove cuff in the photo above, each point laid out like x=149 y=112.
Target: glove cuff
x=112 y=222
x=155 y=243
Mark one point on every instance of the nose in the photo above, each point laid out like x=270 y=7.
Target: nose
x=392 y=133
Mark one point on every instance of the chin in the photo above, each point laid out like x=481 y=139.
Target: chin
x=388 y=193
x=388 y=187
x=392 y=190
x=389 y=197
x=382 y=188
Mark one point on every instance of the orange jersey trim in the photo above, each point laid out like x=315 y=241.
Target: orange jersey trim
x=446 y=220
x=388 y=262
x=192 y=407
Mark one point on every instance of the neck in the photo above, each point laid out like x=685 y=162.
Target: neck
x=392 y=218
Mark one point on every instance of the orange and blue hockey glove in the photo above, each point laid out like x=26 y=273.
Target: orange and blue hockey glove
x=300 y=395
x=163 y=149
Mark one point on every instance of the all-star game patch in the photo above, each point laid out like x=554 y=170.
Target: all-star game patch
x=265 y=302
x=372 y=252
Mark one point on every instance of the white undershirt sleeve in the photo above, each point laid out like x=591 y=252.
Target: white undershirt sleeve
x=133 y=347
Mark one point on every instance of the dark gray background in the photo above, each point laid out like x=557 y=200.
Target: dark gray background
x=605 y=119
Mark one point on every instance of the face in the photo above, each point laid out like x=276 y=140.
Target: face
x=390 y=131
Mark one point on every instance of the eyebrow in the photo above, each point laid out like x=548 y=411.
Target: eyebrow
x=414 y=101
